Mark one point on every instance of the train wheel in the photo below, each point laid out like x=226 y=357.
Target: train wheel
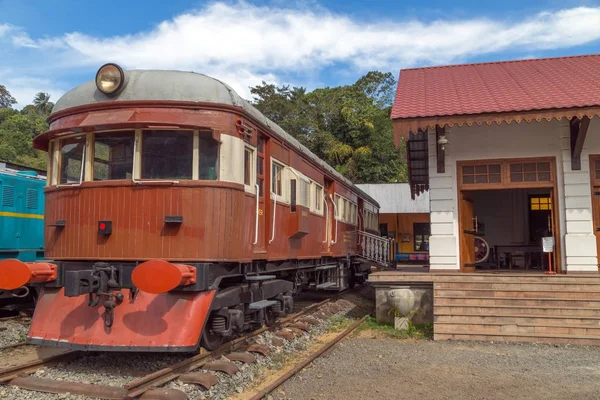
x=351 y=278
x=270 y=318
x=210 y=341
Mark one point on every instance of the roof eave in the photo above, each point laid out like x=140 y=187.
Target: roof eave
x=403 y=126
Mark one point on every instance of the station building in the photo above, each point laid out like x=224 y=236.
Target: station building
x=508 y=152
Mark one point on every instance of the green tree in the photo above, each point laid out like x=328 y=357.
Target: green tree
x=6 y=99
x=42 y=103
x=17 y=130
x=347 y=126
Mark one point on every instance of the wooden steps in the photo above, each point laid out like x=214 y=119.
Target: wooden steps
x=528 y=308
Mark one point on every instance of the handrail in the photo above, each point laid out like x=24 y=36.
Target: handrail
x=256 y=221
x=326 y=219
x=135 y=141
x=274 y=213
x=375 y=248
x=336 y=220
x=370 y=234
x=80 y=172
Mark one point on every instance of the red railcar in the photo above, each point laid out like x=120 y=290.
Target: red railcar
x=178 y=215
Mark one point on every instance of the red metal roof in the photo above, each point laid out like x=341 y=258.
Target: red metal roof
x=507 y=86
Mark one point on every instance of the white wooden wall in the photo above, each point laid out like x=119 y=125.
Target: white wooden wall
x=535 y=139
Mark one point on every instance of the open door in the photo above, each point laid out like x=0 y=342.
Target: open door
x=596 y=216
x=329 y=216
x=467 y=233
x=263 y=208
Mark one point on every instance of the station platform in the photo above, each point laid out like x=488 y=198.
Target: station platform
x=497 y=306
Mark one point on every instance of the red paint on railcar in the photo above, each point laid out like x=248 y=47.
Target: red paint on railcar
x=168 y=321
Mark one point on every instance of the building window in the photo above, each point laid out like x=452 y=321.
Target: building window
x=540 y=203
x=421 y=233
x=473 y=174
x=383 y=229
x=71 y=167
x=113 y=155
x=597 y=169
x=209 y=156
x=167 y=154
x=530 y=172
x=277 y=179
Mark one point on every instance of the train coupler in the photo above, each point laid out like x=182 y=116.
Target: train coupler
x=104 y=283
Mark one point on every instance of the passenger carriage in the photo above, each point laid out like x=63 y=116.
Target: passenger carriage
x=176 y=211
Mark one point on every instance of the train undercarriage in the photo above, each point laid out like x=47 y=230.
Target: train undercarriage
x=236 y=298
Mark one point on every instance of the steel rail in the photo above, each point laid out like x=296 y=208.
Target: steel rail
x=12 y=346
x=8 y=374
x=264 y=392
x=17 y=375
x=140 y=386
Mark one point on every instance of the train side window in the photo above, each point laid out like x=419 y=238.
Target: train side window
x=304 y=198
x=71 y=152
x=338 y=207
x=346 y=211
x=248 y=156
x=318 y=198
x=277 y=179
x=260 y=164
x=167 y=154
x=209 y=156
x=113 y=155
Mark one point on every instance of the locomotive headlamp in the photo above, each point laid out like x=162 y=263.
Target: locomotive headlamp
x=110 y=78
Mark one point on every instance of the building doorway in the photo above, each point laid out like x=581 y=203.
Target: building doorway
x=506 y=207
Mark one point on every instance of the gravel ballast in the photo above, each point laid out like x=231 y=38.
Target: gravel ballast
x=116 y=369
x=392 y=369
x=13 y=331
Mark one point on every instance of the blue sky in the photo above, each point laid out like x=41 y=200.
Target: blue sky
x=54 y=46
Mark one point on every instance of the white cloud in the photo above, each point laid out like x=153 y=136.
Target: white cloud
x=23 y=40
x=243 y=44
x=277 y=38
x=24 y=88
x=4 y=28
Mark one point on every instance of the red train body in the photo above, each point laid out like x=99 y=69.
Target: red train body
x=178 y=215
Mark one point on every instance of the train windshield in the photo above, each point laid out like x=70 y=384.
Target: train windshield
x=71 y=168
x=163 y=154
x=113 y=155
x=209 y=152
x=167 y=154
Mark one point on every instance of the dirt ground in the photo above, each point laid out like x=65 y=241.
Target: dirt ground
x=368 y=368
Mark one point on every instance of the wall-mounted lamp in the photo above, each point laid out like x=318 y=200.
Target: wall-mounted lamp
x=442 y=141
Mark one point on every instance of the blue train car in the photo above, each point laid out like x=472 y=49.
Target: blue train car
x=21 y=218
x=21 y=214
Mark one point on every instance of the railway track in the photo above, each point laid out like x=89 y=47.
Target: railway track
x=151 y=386
x=302 y=364
x=13 y=346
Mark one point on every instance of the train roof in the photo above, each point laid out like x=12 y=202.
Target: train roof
x=185 y=86
x=21 y=172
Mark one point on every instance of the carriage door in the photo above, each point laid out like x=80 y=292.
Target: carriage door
x=261 y=237
x=467 y=234
x=330 y=216
x=595 y=177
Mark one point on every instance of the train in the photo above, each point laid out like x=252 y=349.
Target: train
x=21 y=222
x=178 y=216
